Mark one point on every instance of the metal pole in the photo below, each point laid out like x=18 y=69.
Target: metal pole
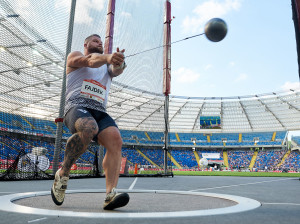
x=108 y=45
x=100 y=160
x=296 y=18
x=167 y=77
x=167 y=49
x=166 y=134
x=63 y=90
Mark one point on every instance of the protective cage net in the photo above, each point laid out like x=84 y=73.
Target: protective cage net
x=143 y=150
x=25 y=156
x=33 y=38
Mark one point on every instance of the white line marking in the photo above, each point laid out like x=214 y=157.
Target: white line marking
x=243 y=204
x=133 y=183
x=264 y=203
x=237 y=185
x=36 y=220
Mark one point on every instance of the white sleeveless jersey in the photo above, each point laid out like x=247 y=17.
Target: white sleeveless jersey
x=88 y=87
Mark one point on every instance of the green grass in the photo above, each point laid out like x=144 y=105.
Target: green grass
x=218 y=173
x=145 y=172
x=203 y=173
x=240 y=174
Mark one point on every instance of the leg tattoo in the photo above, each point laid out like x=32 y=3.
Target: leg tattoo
x=74 y=149
x=77 y=144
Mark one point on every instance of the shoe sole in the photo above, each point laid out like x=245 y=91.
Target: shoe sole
x=54 y=199
x=119 y=201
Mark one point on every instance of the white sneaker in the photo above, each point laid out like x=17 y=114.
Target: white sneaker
x=58 y=189
x=115 y=200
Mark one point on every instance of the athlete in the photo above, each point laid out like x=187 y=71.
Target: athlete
x=89 y=77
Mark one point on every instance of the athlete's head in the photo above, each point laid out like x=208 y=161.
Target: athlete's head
x=93 y=44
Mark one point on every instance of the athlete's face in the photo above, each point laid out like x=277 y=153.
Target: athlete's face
x=94 y=45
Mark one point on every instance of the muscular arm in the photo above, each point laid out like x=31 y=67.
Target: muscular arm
x=77 y=60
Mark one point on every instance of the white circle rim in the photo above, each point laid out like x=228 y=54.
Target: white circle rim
x=243 y=204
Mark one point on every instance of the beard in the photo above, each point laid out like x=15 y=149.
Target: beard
x=95 y=50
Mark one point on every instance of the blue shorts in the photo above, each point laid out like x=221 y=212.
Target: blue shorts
x=103 y=119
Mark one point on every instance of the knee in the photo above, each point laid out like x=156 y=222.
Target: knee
x=87 y=129
x=88 y=134
x=112 y=142
x=117 y=141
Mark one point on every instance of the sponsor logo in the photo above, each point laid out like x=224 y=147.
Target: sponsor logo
x=83 y=111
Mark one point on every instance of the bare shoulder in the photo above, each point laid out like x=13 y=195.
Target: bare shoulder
x=72 y=61
x=75 y=54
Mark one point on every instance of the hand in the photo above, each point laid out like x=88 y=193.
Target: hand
x=122 y=51
x=117 y=58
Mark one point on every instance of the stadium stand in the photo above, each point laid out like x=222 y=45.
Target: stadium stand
x=185 y=158
x=134 y=157
x=155 y=155
x=239 y=158
x=18 y=124
x=238 y=145
x=268 y=159
x=292 y=162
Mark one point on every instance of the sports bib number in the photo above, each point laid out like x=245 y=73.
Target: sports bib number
x=93 y=90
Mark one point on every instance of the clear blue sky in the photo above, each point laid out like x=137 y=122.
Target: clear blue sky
x=257 y=56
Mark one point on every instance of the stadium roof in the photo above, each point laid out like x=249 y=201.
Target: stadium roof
x=31 y=71
x=265 y=112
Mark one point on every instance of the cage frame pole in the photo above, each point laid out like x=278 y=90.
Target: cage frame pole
x=167 y=78
x=108 y=47
x=296 y=18
x=59 y=120
x=166 y=135
x=110 y=21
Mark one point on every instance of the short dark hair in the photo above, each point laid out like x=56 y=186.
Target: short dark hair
x=93 y=35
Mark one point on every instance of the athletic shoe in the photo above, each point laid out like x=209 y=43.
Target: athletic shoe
x=115 y=200
x=58 y=189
